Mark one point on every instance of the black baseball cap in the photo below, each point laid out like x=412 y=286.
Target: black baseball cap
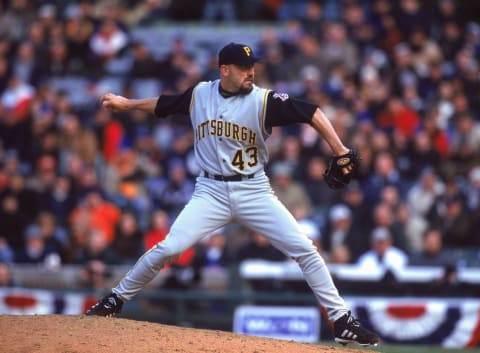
x=237 y=54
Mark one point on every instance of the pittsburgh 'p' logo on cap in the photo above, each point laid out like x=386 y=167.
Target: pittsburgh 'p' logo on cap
x=237 y=54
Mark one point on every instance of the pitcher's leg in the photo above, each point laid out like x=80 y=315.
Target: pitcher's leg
x=200 y=217
x=270 y=218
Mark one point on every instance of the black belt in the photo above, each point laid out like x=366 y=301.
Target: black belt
x=235 y=177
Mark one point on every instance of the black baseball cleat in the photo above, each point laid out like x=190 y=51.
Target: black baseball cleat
x=110 y=305
x=348 y=330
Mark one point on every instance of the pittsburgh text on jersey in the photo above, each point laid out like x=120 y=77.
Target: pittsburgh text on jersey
x=226 y=129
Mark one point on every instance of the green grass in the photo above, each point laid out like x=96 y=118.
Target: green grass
x=408 y=349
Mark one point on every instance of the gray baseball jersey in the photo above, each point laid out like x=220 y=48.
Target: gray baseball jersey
x=230 y=133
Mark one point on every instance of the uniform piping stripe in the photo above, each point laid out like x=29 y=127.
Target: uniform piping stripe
x=264 y=111
x=138 y=261
x=192 y=101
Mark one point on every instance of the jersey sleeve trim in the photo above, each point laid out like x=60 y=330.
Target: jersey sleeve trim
x=264 y=113
x=192 y=101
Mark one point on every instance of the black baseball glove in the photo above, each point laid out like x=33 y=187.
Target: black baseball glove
x=341 y=169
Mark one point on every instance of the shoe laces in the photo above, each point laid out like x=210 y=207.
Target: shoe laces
x=352 y=320
x=110 y=302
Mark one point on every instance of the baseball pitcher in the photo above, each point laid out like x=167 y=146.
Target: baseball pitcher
x=232 y=118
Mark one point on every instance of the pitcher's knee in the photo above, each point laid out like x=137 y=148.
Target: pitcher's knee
x=310 y=259
x=168 y=249
x=160 y=255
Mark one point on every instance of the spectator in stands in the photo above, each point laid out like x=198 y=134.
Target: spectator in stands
x=219 y=9
x=412 y=227
x=276 y=65
x=397 y=115
x=17 y=16
x=291 y=154
x=180 y=66
x=340 y=255
x=340 y=232
x=465 y=142
x=385 y=173
x=390 y=196
x=423 y=153
x=125 y=183
x=212 y=251
x=94 y=247
x=308 y=55
x=337 y=47
x=6 y=279
x=5 y=69
x=455 y=223
x=13 y=222
x=26 y=65
x=79 y=27
x=288 y=191
x=171 y=193
x=73 y=139
x=410 y=15
x=259 y=248
x=382 y=255
x=36 y=250
x=353 y=197
x=6 y=253
x=108 y=41
x=94 y=274
x=144 y=65
x=473 y=192
x=58 y=63
x=424 y=193
x=146 y=13
x=432 y=253
x=420 y=200
x=451 y=39
x=127 y=242
x=17 y=187
x=435 y=126
x=425 y=50
x=158 y=229
x=61 y=199
x=320 y=194
x=56 y=237
x=335 y=82
x=16 y=99
x=445 y=11
x=384 y=217
x=311 y=84
x=96 y=213
x=43 y=179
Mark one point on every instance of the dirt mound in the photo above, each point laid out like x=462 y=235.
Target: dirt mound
x=81 y=334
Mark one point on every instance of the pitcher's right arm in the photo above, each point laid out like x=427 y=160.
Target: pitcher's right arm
x=161 y=106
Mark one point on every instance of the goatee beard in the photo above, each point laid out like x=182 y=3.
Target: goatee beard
x=245 y=90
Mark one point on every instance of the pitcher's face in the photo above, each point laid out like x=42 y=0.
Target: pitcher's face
x=237 y=79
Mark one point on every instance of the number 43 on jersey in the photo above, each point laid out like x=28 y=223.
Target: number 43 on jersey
x=248 y=156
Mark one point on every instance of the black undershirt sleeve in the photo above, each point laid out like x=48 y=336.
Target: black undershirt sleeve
x=283 y=110
x=174 y=104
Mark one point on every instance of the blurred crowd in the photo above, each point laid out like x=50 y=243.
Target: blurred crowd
x=400 y=81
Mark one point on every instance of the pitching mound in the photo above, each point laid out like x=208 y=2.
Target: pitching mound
x=81 y=334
